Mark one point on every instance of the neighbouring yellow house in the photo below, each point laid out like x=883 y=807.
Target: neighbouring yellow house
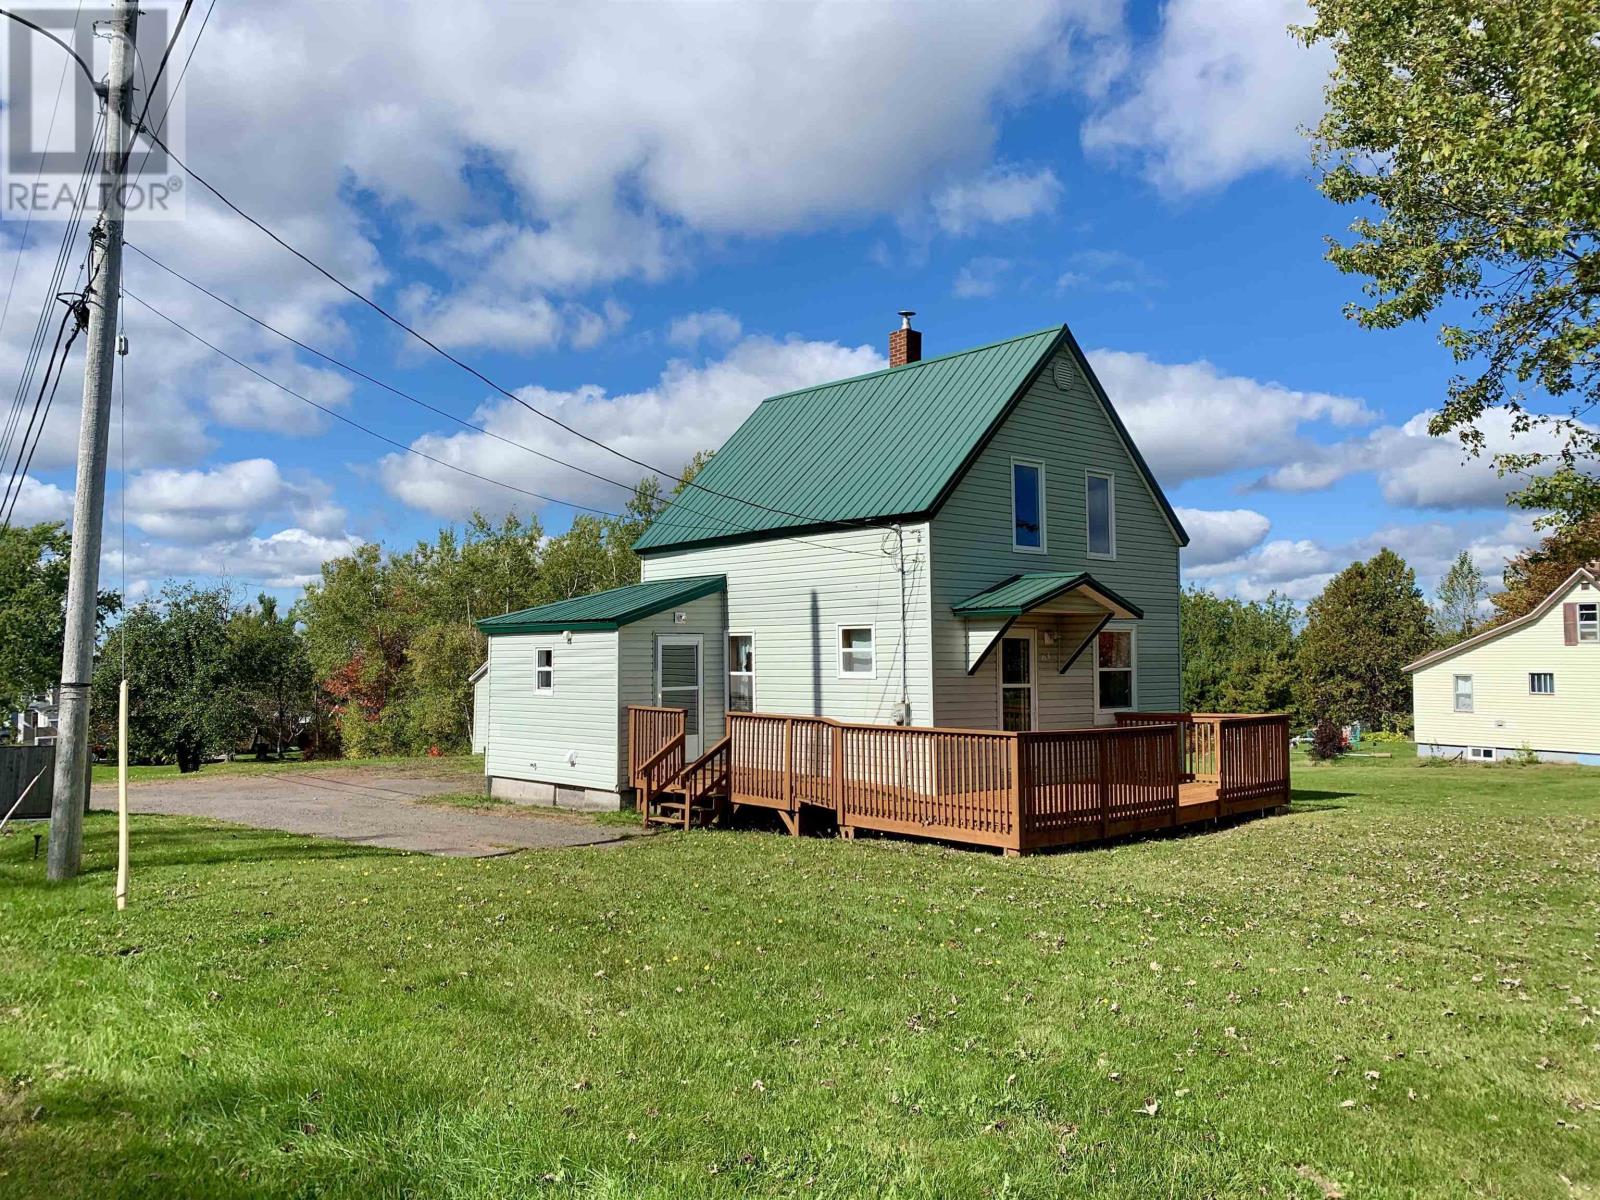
x=1530 y=683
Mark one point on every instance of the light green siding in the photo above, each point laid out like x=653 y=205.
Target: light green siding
x=533 y=734
x=637 y=664
x=794 y=593
x=1060 y=423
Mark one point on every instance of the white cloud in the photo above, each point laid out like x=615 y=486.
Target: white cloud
x=226 y=501
x=1106 y=271
x=1191 y=421
x=713 y=325
x=1217 y=536
x=39 y=501
x=288 y=558
x=1000 y=196
x=1223 y=91
x=1416 y=469
x=690 y=408
x=980 y=277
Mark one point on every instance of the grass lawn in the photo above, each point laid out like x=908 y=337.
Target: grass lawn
x=466 y=764
x=1389 y=992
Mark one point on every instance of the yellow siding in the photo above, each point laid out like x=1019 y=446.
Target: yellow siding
x=1505 y=714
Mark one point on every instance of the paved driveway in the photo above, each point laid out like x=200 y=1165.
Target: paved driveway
x=368 y=805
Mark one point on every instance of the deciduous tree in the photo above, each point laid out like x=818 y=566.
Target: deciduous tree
x=1458 y=601
x=1238 y=656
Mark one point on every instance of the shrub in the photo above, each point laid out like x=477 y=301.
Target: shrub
x=1385 y=737
x=1327 y=740
x=1525 y=757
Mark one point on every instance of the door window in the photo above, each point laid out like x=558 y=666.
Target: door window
x=1016 y=683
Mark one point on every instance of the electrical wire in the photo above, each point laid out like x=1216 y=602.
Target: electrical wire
x=150 y=89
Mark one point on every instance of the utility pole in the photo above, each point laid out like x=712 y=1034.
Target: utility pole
x=101 y=296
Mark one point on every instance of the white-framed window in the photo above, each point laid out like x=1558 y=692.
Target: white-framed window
x=1589 y=622
x=1100 y=508
x=1481 y=753
x=1542 y=683
x=1027 y=506
x=544 y=670
x=857 y=657
x=1115 y=656
x=1017 y=697
x=741 y=672
x=1463 y=693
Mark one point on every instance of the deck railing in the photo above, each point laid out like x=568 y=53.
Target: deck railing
x=1017 y=791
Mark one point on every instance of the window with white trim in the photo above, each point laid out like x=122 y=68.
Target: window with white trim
x=1027 y=506
x=544 y=670
x=1589 y=622
x=857 y=660
x=1542 y=683
x=1463 y=693
x=1100 y=506
x=1481 y=753
x=1113 y=670
x=741 y=672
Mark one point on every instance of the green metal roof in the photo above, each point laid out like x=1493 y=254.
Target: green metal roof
x=884 y=446
x=606 y=610
x=1021 y=593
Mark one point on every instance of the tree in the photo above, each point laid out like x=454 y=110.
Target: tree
x=185 y=702
x=33 y=598
x=1531 y=576
x=1367 y=624
x=272 y=671
x=1472 y=131
x=1458 y=606
x=1238 y=656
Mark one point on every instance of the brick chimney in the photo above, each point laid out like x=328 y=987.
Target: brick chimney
x=905 y=343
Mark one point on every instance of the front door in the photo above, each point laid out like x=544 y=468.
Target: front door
x=1017 y=708
x=679 y=684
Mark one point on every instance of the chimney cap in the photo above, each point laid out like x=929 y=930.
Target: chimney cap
x=905 y=315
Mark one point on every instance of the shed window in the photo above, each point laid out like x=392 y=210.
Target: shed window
x=1589 y=622
x=1027 y=506
x=741 y=672
x=1542 y=683
x=1463 y=693
x=1100 y=502
x=856 y=657
x=1114 y=661
x=544 y=672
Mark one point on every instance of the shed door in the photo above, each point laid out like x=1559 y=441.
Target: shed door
x=679 y=685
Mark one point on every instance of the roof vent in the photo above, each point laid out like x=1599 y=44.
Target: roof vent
x=905 y=343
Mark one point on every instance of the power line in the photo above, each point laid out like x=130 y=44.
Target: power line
x=723 y=524
x=155 y=80
x=443 y=353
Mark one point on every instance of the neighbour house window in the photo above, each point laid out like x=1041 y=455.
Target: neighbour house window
x=1100 y=501
x=1463 y=693
x=1113 y=669
x=741 y=672
x=1027 y=506
x=1481 y=753
x=856 y=658
x=544 y=670
x=1542 y=683
x=1589 y=622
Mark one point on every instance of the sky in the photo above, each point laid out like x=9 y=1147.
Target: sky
x=643 y=219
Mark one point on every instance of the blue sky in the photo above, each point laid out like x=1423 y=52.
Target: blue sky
x=650 y=219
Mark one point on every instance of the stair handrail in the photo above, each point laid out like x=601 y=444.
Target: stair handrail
x=647 y=772
x=693 y=790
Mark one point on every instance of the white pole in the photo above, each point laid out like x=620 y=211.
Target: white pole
x=122 y=796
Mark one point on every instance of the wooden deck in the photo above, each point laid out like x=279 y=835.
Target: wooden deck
x=1018 y=792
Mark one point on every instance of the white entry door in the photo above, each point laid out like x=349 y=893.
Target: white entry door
x=680 y=683
x=1019 y=709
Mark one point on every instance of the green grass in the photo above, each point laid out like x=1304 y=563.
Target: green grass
x=466 y=764
x=1389 y=992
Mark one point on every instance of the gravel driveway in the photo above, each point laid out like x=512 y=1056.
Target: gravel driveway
x=372 y=806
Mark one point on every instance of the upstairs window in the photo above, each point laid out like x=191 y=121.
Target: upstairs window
x=741 y=672
x=1463 y=693
x=1589 y=622
x=1100 y=502
x=1542 y=683
x=544 y=670
x=1027 y=506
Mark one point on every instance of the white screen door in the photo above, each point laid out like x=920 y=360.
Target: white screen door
x=678 y=685
x=1017 y=708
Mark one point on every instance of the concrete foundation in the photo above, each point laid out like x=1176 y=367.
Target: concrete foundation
x=538 y=793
